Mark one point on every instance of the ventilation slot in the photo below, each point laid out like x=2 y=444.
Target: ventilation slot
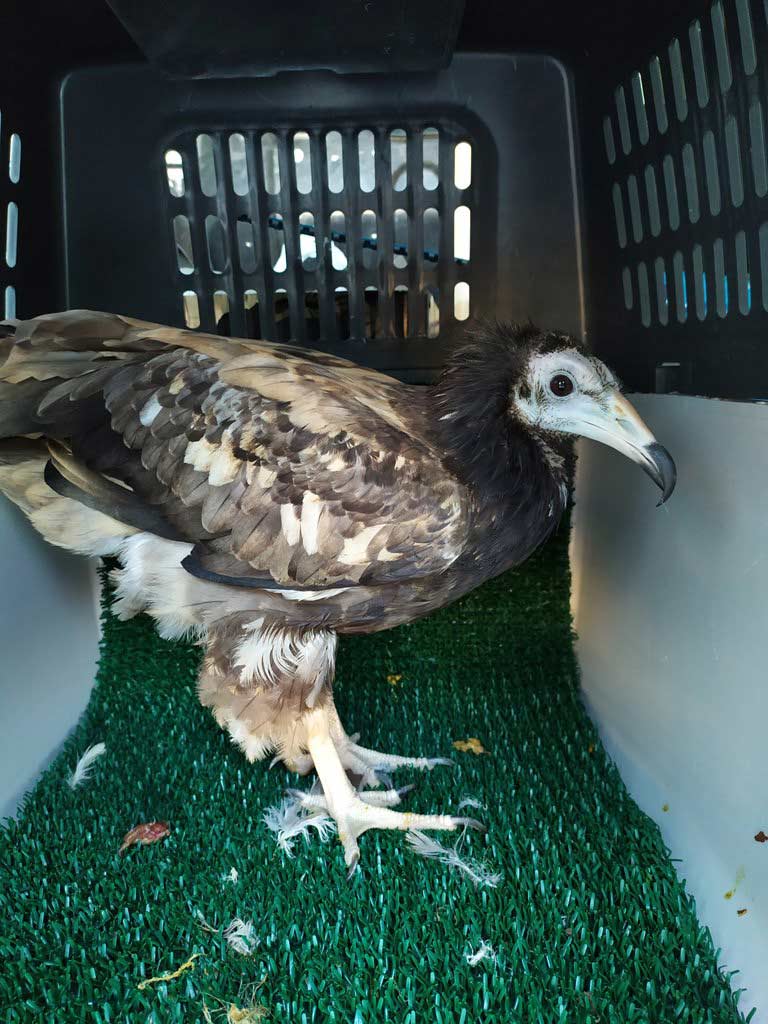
x=366 y=155
x=626 y=281
x=252 y=317
x=182 y=237
x=335 y=162
x=206 y=165
x=339 y=242
x=221 y=312
x=643 y=292
x=691 y=183
x=401 y=311
x=721 y=47
x=621 y=111
x=216 y=240
x=341 y=302
x=430 y=155
x=757 y=148
x=712 y=173
x=652 y=196
x=659 y=99
x=641 y=116
x=308 y=242
x=618 y=212
x=670 y=188
x=699 y=68
x=398 y=147
x=302 y=163
x=461 y=233
x=734 y=161
x=270 y=162
x=462 y=166
x=174 y=173
x=461 y=301
x=369 y=242
x=746 y=35
x=681 y=288
x=14 y=159
x=678 y=80
x=610 y=145
x=742 y=274
x=661 y=290
x=238 y=165
x=191 y=310
x=634 y=208
x=372 y=320
x=721 y=281
x=282 y=315
x=700 y=283
x=246 y=245
x=432 y=312
x=400 y=253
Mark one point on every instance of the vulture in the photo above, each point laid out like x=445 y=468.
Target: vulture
x=265 y=499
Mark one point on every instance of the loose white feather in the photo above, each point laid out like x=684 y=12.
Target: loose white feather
x=289 y=821
x=485 y=951
x=426 y=846
x=241 y=936
x=84 y=766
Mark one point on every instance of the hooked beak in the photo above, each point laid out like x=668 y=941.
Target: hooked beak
x=618 y=425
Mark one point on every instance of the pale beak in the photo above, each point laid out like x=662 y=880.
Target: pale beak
x=617 y=424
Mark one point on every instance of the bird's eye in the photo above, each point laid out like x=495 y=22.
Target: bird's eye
x=561 y=385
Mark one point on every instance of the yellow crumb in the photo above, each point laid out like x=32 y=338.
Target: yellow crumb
x=665 y=807
x=393 y=679
x=591 y=748
x=729 y=895
x=249 y=1015
x=470 y=746
x=188 y=965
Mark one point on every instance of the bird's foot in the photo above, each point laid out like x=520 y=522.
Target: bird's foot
x=357 y=812
x=376 y=797
x=371 y=766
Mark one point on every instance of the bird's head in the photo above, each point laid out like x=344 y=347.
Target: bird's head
x=551 y=386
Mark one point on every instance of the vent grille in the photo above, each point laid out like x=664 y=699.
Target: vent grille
x=302 y=233
x=685 y=142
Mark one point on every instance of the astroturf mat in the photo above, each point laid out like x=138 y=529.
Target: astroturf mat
x=588 y=924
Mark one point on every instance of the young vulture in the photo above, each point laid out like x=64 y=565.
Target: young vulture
x=267 y=499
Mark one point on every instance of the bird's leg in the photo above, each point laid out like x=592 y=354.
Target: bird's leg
x=353 y=815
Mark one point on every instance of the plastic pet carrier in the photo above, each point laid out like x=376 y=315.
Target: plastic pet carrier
x=364 y=178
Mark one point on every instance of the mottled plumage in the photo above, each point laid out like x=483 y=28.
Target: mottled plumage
x=268 y=498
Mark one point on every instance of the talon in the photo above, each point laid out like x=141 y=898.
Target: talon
x=353 y=866
x=403 y=790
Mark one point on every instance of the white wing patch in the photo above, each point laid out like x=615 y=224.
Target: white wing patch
x=149 y=411
x=355 y=548
x=311 y=508
x=290 y=523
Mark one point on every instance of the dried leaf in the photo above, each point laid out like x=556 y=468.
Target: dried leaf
x=761 y=837
x=470 y=746
x=150 y=832
x=741 y=912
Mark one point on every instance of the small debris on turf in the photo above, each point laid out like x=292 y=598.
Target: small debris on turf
x=761 y=837
x=393 y=679
x=485 y=951
x=470 y=746
x=741 y=912
x=231 y=877
x=241 y=936
x=289 y=821
x=150 y=832
x=665 y=807
x=188 y=965
x=591 y=748
x=84 y=766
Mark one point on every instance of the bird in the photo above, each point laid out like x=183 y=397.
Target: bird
x=266 y=499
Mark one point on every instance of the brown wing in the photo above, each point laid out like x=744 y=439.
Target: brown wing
x=289 y=468
x=285 y=466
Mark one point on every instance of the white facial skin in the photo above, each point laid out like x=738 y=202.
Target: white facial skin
x=566 y=392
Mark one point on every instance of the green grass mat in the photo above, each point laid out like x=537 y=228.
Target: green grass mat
x=589 y=924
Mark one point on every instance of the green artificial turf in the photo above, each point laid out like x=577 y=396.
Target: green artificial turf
x=589 y=923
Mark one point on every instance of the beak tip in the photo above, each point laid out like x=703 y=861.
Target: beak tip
x=662 y=469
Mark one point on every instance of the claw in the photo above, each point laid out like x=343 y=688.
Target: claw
x=472 y=823
x=403 y=790
x=353 y=864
